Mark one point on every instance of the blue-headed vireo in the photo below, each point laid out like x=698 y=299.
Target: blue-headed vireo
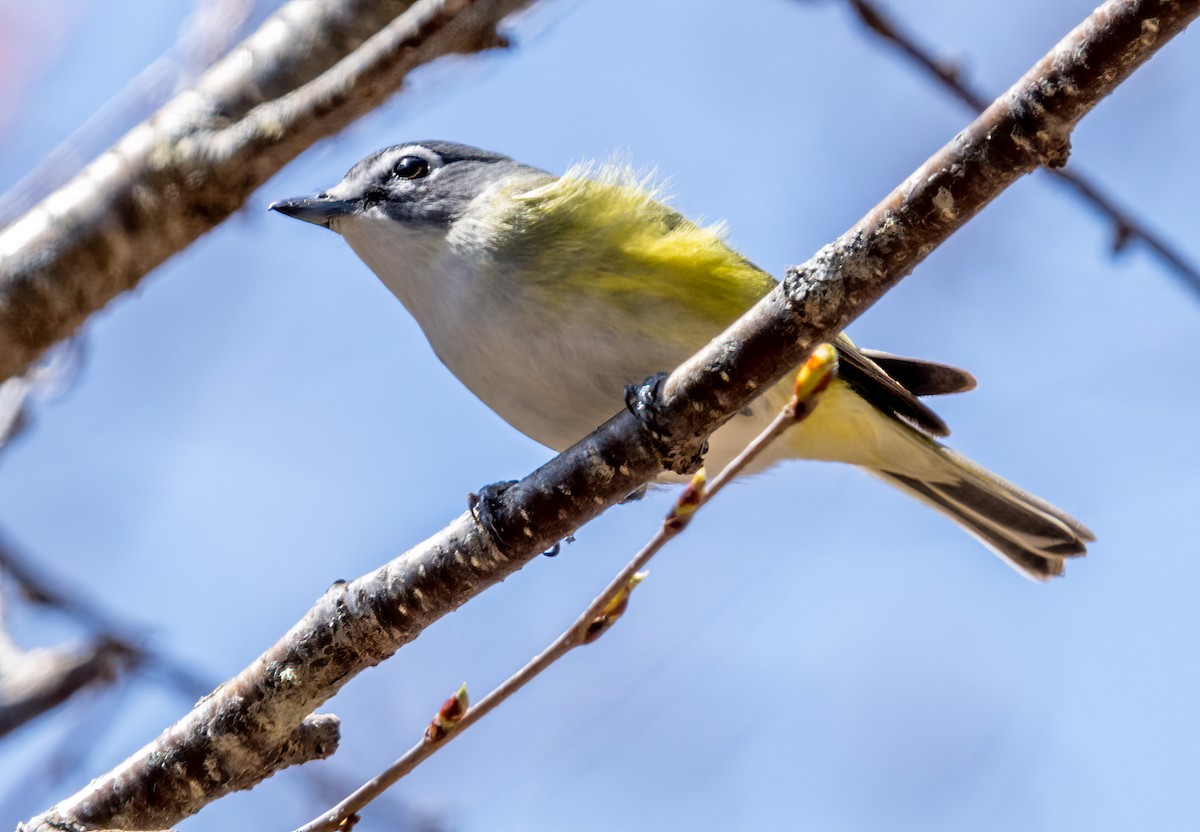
x=547 y=295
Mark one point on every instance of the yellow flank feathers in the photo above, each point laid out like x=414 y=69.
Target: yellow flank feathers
x=603 y=234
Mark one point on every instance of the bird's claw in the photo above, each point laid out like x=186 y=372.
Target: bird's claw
x=635 y=495
x=642 y=400
x=484 y=503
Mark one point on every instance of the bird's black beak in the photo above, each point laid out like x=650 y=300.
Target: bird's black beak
x=319 y=209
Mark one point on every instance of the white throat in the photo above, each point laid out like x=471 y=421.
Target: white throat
x=446 y=280
x=409 y=260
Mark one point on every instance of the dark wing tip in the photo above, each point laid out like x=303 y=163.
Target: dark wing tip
x=888 y=394
x=923 y=378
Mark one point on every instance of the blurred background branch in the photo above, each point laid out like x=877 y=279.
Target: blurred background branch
x=308 y=71
x=204 y=36
x=35 y=681
x=118 y=638
x=1126 y=227
x=43 y=380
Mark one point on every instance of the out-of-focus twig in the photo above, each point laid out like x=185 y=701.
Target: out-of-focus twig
x=115 y=648
x=40 y=589
x=14 y=395
x=308 y=71
x=1126 y=227
x=54 y=373
x=204 y=36
x=35 y=681
x=455 y=717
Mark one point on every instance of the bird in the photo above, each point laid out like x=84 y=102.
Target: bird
x=547 y=295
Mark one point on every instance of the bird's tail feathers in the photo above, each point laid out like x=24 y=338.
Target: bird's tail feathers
x=1033 y=536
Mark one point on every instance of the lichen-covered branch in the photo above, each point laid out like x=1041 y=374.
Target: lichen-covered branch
x=234 y=737
x=310 y=69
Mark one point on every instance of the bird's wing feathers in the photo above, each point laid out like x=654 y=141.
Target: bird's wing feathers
x=629 y=251
x=923 y=378
x=878 y=387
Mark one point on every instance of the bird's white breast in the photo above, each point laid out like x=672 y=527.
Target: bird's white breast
x=553 y=373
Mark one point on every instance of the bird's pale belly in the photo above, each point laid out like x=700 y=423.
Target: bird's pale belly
x=555 y=392
x=558 y=394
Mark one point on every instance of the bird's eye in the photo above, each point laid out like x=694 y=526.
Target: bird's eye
x=411 y=167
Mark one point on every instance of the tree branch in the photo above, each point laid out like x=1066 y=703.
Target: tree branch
x=358 y=624
x=1126 y=227
x=35 y=681
x=41 y=589
x=206 y=34
x=605 y=609
x=309 y=70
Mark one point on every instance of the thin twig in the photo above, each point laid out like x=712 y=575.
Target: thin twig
x=41 y=589
x=38 y=680
x=811 y=381
x=53 y=374
x=1126 y=227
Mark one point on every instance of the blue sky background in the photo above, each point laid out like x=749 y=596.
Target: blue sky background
x=818 y=652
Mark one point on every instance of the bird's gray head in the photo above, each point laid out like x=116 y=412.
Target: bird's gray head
x=416 y=215
x=428 y=183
